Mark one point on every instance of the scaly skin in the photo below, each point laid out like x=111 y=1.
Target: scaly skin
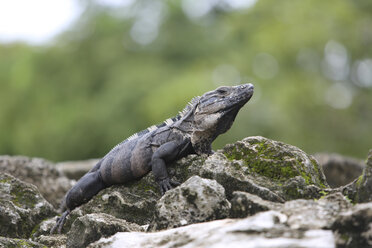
x=192 y=131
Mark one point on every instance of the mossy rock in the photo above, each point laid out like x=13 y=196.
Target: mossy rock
x=275 y=160
x=360 y=190
x=134 y=202
x=21 y=207
x=270 y=169
x=92 y=227
x=16 y=243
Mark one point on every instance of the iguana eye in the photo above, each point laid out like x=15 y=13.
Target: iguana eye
x=222 y=90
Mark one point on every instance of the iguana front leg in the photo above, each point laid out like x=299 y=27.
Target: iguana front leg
x=165 y=153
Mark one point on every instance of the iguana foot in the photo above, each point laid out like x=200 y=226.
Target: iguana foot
x=167 y=184
x=60 y=222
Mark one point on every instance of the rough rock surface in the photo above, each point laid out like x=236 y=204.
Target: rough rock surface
x=92 y=227
x=21 y=207
x=51 y=183
x=311 y=214
x=133 y=202
x=360 y=190
x=196 y=200
x=267 y=229
x=244 y=204
x=12 y=242
x=354 y=227
x=278 y=189
x=44 y=227
x=339 y=170
x=258 y=166
x=55 y=241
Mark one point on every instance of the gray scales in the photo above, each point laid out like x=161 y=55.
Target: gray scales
x=192 y=131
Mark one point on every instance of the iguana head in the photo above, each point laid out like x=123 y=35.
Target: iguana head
x=214 y=112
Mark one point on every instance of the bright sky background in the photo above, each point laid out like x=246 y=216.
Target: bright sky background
x=35 y=21
x=38 y=21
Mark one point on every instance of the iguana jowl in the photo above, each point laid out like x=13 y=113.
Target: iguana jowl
x=192 y=131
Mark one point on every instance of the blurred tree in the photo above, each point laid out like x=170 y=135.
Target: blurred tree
x=119 y=70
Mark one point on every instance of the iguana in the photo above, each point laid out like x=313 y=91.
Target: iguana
x=191 y=131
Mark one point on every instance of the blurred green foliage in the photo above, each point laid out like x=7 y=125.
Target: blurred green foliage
x=118 y=71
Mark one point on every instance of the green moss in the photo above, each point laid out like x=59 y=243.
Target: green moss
x=277 y=171
x=236 y=165
x=23 y=196
x=5 y=180
x=145 y=186
x=323 y=194
x=345 y=237
x=22 y=243
x=272 y=160
x=293 y=192
x=349 y=200
x=305 y=176
x=255 y=158
x=35 y=229
x=319 y=172
x=359 y=181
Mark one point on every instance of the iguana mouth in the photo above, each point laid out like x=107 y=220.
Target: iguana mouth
x=243 y=96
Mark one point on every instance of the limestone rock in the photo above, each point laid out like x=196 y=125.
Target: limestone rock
x=133 y=202
x=55 y=241
x=51 y=183
x=12 y=242
x=266 y=229
x=258 y=166
x=244 y=204
x=339 y=170
x=196 y=200
x=92 y=227
x=360 y=190
x=354 y=228
x=44 y=227
x=310 y=214
x=21 y=207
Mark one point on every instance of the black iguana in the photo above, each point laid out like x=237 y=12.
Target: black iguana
x=192 y=131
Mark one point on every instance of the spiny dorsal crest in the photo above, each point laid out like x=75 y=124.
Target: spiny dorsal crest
x=167 y=122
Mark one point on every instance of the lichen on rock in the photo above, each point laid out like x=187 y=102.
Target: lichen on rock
x=270 y=169
x=278 y=190
x=134 y=202
x=92 y=227
x=50 y=181
x=15 y=243
x=275 y=160
x=360 y=190
x=196 y=200
x=21 y=207
x=244 y=204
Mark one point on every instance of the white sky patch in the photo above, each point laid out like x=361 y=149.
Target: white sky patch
x=339 y=96
x=362 y=73
x=237 y=4
x=115 y=3
x=148 y=21
x=35 y=21
x=195 y=9
x=335 y=65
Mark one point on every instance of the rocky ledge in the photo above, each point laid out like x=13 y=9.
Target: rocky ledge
x=253 y=193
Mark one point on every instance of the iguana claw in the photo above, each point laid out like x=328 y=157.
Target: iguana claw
x=60 y=222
